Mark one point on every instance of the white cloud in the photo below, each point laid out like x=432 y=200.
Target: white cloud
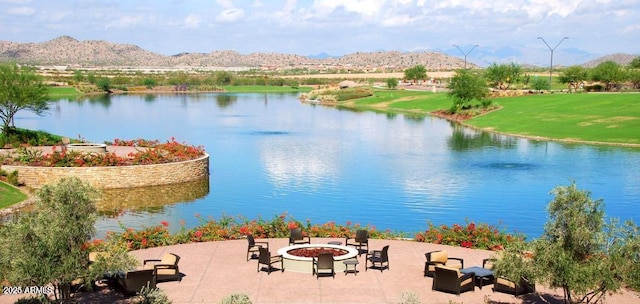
x=192 y=21
x=230 y=15
x=225 y=3
x=631 y=28
x=125 y=22
x=21 y=11
x=398 y=20
x=361 y=7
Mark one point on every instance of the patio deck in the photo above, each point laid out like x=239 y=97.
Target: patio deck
x=215 y=270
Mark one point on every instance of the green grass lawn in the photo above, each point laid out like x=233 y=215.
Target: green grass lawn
x=612 y=118
x=10 y=195
x=606 y=118
x=403 y=100
x=265 y=89
x=63 y=91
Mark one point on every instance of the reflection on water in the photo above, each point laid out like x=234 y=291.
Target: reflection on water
x=463 y=139
x=272 y=154
x=114 y=202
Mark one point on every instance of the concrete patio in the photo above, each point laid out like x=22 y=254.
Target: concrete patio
x=215 y=270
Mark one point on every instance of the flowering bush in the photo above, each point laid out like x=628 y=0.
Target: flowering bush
x=481 y=236
x=150 y=152
x=228 y=228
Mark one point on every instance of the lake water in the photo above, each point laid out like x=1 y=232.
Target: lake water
x=271 y=154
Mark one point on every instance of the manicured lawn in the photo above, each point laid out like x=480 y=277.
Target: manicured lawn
x=403 y=100
x=62 y=91
x=613 y=118
x=10 y=195
x=609 y=118
x=264 y=89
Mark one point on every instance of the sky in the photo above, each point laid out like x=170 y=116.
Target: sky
x=504 y=30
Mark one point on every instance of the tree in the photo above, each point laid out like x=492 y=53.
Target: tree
x=578 y=251
x=635 y=63
x=634 y=77
x=540 y=84
x=20 y=89
x=573 y=75
x=415 y=73
x=149 y=83
x=104 y=84
x=502 y=76
x=608 y=73
x=392 y=83
x=45 y=247
x=465 y=86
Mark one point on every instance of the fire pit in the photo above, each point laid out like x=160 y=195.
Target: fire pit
x=299 y=258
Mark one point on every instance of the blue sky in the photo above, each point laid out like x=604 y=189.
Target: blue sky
x=505 y=30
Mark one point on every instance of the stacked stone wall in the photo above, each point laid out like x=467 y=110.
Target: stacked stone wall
x=116 y=176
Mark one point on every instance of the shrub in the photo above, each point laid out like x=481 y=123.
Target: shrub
x=153 y=153
x=228 y=228
x=236 y=298
x=481 y=236
x=154 y=295
x=409 y=297
x=39 y=299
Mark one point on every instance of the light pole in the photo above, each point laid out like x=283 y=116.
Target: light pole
x=551 y=49
x=465 y=54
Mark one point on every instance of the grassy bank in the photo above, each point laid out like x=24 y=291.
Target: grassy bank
x=57 y=92
x=596 y=118
x=10 y=195
x=265 y=89
x=606 y=118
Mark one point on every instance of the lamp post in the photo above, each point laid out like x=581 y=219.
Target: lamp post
x=465 y=54
x=551 y=49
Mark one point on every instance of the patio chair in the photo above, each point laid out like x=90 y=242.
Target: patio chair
x=254 y=247
x=361 y=240
x=380 y=257
x=323 y=265
x=296 y=237
x=132 y=281
x=265 y=258
x=166 y=268
x=440 y=258
x=449 y=279
x=502 y=284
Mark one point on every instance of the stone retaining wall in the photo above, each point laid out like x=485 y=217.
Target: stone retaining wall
x=116 y=176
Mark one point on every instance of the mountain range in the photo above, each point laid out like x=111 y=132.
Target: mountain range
x=68 y=51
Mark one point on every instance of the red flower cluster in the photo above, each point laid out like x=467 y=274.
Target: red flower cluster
x=152 y=152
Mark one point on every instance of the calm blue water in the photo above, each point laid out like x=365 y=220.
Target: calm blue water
x=271 y=154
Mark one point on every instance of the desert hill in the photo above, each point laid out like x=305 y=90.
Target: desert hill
x=66 y=50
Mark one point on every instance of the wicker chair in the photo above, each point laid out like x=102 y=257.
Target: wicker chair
x=360 y=241
x=380 y=257
x=254 y=247
x=440 y=258
x=265 y=258
x=323 y=265
x=133 y=281
x=166 y=268
x=449 y=279
x=296 y=237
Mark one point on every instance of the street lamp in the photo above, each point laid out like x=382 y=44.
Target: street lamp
x=465 y=54
x=551 y=49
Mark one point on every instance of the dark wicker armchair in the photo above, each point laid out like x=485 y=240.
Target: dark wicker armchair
x=451 y=280
x=361 y=241
x=296 y=237
x=323 y=265
x=440 y=258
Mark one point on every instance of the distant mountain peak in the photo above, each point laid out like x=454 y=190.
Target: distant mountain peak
x=64 y=39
